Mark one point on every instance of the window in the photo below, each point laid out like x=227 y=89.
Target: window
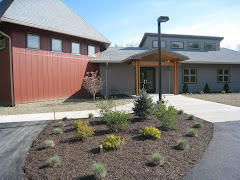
x=176 y=45
x=56 y=45
x=76 y=48
x=33 y=41
x=189 y=75
x=155 y=44
x=193 y=45
x=2 y=42
x=223 y=75
x=210 y=46
x=91 y=51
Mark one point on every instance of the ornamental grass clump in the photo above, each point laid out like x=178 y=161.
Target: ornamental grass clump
x=197 y=125
x=157 y=159
x=58 y=131
x=48 y=144
x=192 y=133
x=54 y=161
x=180 y=111
x=61 y=123
x=98 y=170
x=143 y=105
x=151 y=132
x=182 y=144
x=90 y=115
x=191 y=117
x=83 y=130
x=112 y=143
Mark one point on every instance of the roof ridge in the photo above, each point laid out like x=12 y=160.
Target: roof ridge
x=83 y=19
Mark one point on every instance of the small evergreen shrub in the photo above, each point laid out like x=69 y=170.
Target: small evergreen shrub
x=167 y=116
x=61 y=123
x=54 y=161
x=77 y=124
x=143 y=105
x=105 y=105
x=48 y=144
x=197 y=125
x=116 y=120
x=201 y=92
x=64 y=119
x=58 y=131
x=206 y=88
x=180 y=111
x=223 y=92
x=112 y=143
x=191 y=117
x=90 y=115
x=151 y=132
x=226 y=87
x=84 y=130
x=192 y=132
x=185 y=88
x=98 y=170
x=182 y=144
x=157 y=159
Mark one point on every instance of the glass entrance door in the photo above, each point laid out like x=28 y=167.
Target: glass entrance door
x=147 y=79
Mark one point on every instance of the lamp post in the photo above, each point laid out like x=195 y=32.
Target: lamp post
x=160 y=19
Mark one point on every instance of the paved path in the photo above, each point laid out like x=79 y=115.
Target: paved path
x=15 y=140
x=221 y=161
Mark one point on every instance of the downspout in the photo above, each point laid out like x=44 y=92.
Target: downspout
x=11 y=68
x=106 y=74
x=169 y=80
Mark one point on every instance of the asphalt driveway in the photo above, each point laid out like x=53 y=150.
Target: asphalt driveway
x=15 y=139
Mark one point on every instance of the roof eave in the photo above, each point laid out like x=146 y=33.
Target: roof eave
x=207 y=62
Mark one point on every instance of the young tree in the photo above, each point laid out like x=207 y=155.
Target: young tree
x=92 y=83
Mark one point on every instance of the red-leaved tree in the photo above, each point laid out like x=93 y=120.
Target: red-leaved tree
x=92 y=83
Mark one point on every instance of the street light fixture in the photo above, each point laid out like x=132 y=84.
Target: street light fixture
x=160 y=19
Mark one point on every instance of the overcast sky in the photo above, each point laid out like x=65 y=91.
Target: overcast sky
x=123 y=21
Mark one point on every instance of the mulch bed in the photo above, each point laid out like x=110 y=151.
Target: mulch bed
x=132 y=161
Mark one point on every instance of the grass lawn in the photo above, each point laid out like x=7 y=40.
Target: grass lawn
x=227 y=98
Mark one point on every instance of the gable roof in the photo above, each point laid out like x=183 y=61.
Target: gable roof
x=123 y=54
x=52 y=15
x=224 y=56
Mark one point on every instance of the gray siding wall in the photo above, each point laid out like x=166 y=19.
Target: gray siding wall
x=149 y=39
x=207 y=73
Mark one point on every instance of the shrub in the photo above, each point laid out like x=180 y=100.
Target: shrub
x=226 y=87
x=84 y=130
x=206 y=88
x=180 y=111
x=182 y=144
x=185 y=88
x=54 y=161
x=143 y=105
x=157 y=159
x=98 y=170
x=191 y=117
x=112 y=143
x=167 y=116
x=223 y=92
x=201 y=92
x=197 y=125
x=48 y=143
x=116 y=120
x=105 y=105
x=90 y=115
x=58 y=131
x=151 y=132
x=192 y=132
x=64 y=119
x=77 y=124
x=61 y=123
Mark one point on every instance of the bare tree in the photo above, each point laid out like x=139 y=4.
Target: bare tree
x=131 y=44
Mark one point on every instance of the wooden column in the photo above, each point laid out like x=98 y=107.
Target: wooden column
x=176 y=85
x=137 y=77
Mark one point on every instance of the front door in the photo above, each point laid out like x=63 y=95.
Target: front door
x=147 y=79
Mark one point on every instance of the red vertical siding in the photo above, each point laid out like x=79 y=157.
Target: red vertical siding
x=43 y=75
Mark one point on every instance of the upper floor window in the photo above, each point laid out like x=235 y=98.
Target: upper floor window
x=223 y=75
x=33 y=41
x=91 y=51
x=189 y=75
x=193 y=45
x=155 y=44
x=210 y=46
x=56 y=45
x=2 y=42
x=177 y=45
x=76 y=48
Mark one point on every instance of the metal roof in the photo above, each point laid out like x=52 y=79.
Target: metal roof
x=53 y=15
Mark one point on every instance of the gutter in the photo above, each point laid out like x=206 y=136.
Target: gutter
x=11 y=67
